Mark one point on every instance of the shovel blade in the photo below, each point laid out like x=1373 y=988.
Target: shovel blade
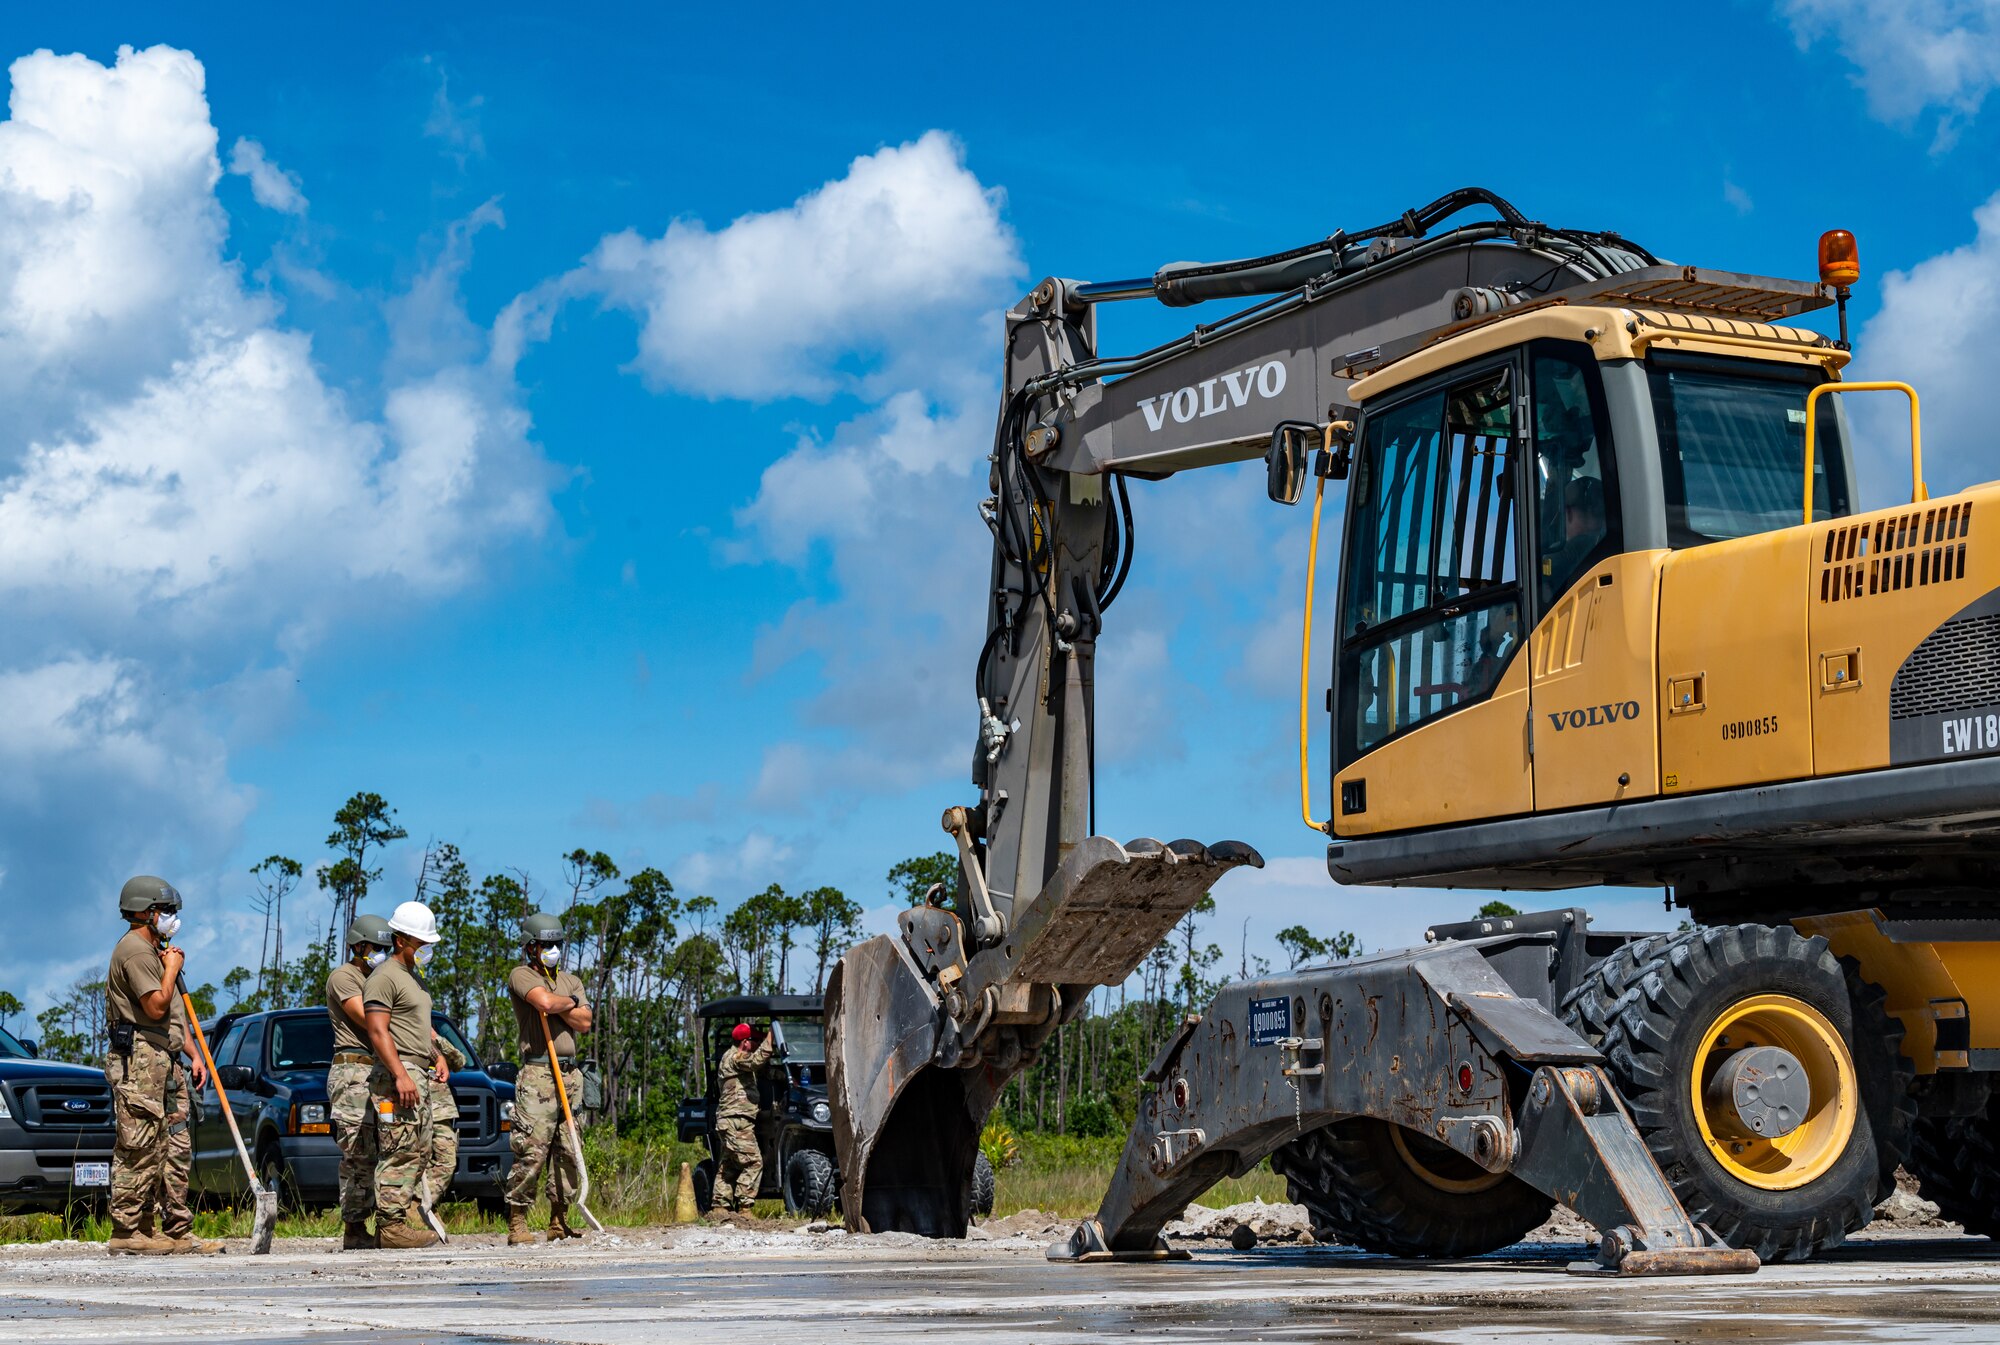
x=265 y=1227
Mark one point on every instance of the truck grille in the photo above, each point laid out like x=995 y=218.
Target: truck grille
x=62 y=1106
x=476 y=1120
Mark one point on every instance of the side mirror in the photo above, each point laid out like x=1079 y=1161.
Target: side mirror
x=506 y=1071
x=238 y=1078
x=1285 y=460
x=32 y=1048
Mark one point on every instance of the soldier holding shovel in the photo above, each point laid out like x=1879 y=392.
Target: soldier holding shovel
x=549 y=1010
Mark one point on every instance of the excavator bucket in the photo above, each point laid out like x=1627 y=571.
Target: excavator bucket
x=923 y=1032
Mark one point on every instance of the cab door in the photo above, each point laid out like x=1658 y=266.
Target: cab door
x=1595 y=727
x=1431 y=692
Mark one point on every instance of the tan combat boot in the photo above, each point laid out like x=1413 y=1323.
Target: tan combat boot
x=404 y=1237
x=355 y=1237
x=518 y=1232
x=559 y=1222
x=187 y=1244
x=137 y=1242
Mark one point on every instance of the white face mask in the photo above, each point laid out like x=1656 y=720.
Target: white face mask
x=374 y=959
x=167 y=924
x=425 y=951
x=552 y=957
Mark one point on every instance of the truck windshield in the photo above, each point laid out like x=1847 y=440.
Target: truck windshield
x=10 y=1047
x=805 y=1040
x=300 y=1043
x=1732 y=448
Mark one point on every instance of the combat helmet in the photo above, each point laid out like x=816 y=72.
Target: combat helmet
x=143 y=893
x=370 y=929
x=539 y=928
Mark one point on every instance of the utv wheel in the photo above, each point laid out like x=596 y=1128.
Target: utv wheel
x=810 y=1188
x=1956 y=1160
x=983 y=1184
x=704 y=1185
x=1386 y=1189
x=1766 y=1081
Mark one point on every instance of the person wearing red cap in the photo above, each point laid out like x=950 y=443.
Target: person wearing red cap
x=739 y=1168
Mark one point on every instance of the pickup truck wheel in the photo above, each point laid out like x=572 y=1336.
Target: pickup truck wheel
x=1679 y=1017
x=1374 y=1185
x=809 y=1185
x=276 y=1174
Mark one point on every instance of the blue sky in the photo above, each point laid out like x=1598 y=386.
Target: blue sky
x=569 y=426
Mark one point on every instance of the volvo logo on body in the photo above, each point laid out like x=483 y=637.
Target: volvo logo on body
x=1595 y=716
x=1212 y=396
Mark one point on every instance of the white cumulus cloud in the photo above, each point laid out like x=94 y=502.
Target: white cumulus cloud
x=186 y=503
x=270 y=186
x=1911 y=57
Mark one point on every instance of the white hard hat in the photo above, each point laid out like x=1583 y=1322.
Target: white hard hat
x=415 y=919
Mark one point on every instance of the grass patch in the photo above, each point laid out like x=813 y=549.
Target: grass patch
x=1068 y=1176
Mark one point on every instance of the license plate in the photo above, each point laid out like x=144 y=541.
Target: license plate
x=93 y=1174
x=1270 y=1021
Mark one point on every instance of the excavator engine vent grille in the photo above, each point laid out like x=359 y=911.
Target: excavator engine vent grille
x=1957 y=665
x=1886 y=555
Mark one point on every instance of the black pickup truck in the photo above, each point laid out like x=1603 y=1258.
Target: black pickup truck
x=55 y=1131
x=273 y=1065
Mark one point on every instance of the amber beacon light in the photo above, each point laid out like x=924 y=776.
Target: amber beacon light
x=1840 y=267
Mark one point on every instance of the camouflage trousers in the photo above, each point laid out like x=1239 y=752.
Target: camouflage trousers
x=354 y=1131
x=540 y=1146
x=404 y=1141
x=441 y=1160
x=739 y=1168
x=149 y=1157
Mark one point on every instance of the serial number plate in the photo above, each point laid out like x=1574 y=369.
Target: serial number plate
x=93 y=1174
x=1270 y=1021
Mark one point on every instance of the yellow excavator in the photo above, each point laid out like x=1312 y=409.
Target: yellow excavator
x=1607 y=611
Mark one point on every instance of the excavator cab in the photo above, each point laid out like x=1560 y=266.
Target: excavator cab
x=1511 y=517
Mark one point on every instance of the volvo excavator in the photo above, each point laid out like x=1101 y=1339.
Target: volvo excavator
x=1607 y=611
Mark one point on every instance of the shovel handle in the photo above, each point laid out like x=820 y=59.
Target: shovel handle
x=569 y=1119
x=194 y=1025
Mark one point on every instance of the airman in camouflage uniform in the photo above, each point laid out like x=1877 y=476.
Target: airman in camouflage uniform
x=149 y=1088
x=368 y=942
x=739 y=1168
x=548 y=1006
x=399 y=1031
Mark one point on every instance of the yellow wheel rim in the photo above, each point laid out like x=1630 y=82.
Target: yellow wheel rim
x=1789 y=1161
x=1444 y=1168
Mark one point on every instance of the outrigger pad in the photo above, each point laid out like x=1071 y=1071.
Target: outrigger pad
x=1087 y=1246
x=1108 y=905
x=1676 y=1261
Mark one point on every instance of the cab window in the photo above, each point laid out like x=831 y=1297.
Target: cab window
x=1432 y=611
x=1576 y=492
x=1733 y=447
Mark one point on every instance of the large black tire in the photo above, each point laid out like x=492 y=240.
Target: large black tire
x=1956 y=1160
x=810 y=1188
x=704 y=1185
x=983 y=1183
x=1648 y=1007
x=1385 y=1189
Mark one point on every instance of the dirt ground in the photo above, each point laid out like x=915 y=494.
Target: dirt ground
x=781 y=1283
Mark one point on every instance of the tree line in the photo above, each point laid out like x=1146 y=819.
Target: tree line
x=650 y=956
